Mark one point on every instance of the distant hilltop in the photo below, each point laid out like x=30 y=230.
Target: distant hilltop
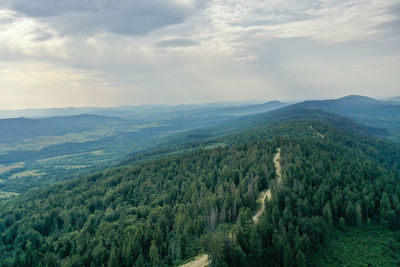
x=395 y=98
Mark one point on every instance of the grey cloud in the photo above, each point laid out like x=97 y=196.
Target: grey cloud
x=42 y=8
x=73 y=17
x=389 y=32
x=176 y=43
x=283 y=13
x=392 y=27
x=227 y=61
x=395 y=9
x=9 y=19
x=271 y=21
x=42 y=35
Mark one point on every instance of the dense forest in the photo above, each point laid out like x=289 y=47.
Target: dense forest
x=165 y=211
x=156 y=211
x=324 y=186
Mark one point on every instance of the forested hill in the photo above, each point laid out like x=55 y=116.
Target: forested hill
x=12 y=130
x=366 y=110
x=285 y=122
x=166 y=211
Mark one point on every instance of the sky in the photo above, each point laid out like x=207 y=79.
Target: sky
x=62 y=53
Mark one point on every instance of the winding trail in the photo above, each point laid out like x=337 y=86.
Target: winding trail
x=267 y=194
x=202 y=260
x=277 y=163
x=318 y=133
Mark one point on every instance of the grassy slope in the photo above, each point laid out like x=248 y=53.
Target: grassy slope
x=373 y=246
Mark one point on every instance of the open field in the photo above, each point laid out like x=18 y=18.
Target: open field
x=5 y=195
x=27 y=174
x=17 y=165
x=95 y=153
x=212 y=146
x=39 y=142
x=69 y=167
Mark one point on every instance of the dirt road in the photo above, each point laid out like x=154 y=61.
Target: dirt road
x=267 y=193
x=318 y=133
x=200 y=261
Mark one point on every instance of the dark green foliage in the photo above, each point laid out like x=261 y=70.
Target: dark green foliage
x=374 y=246
x=158 y=210
x=332 y=182
x=171 y=209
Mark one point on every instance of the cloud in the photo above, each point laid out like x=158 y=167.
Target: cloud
x=176 y=43
x=42 y=35
x=326 y=21
x=391 y=28
x=87 y=17
x=236 y=50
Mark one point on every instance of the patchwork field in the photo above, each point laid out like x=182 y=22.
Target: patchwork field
x=17 y=165
x=39 y=142
x=5 y=195
x=68 y=167
x=27 y=174
x=56 y=158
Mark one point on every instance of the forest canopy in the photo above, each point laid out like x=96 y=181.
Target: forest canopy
x=165 y=211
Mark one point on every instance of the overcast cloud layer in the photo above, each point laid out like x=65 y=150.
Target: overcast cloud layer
x=131 y=52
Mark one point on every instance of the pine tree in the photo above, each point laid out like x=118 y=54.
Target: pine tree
x=153 y=254
x=113 y=260
x=301 y=259
x=327 y=212
x=358 y=214
x=140 y=261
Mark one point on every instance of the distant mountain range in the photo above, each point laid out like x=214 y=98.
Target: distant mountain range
x=370 y=111
x=137 y=111
x=396 y=98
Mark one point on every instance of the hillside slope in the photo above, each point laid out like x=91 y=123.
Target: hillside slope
x=165 y=211
x=282 y=122
x=366 y=110
x=12 y=130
